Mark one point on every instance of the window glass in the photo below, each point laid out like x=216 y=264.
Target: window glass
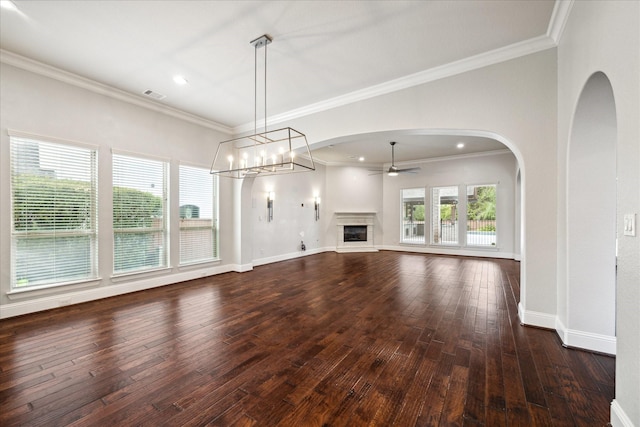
x=139 y=214
x=413 y=216
x=198 y=215
x=54 y=208
x=444 y=216
x=481 y=215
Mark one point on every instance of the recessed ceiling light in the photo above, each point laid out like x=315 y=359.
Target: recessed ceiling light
x=8 y=5
x=361 y=159
x=460 y=145
x=180 y=80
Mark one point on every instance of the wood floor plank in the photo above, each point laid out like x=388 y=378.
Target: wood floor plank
x=435 y=396
x=331 y=339
x=454 y=402
x=475 y=404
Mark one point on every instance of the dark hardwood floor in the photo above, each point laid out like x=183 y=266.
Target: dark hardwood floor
x=326 y=340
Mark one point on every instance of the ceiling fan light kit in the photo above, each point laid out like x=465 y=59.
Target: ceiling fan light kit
x=270 y=152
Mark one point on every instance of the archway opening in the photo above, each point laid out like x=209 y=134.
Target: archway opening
x=512 y=242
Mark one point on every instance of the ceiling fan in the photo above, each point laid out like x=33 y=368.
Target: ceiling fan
x=393 y=169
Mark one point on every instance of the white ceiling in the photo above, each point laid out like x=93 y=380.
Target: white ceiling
x=409 y=146
x=322 y=50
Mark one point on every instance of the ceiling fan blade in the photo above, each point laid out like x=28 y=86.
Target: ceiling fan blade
x=409 y=170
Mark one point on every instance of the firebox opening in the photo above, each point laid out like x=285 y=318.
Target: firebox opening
x=355 y=233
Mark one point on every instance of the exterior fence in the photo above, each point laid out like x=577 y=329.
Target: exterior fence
x=445 y=232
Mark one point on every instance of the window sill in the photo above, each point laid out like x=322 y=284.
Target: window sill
x=484 y=248
x=31 y=291
x=199 y=264
x=121 y=277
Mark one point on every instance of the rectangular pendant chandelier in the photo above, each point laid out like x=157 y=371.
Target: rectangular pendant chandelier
x=266 y=153
x=270 y=152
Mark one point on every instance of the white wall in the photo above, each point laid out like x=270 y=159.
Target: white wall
x=605 y=36
x=44 y=106
x=293 y=214
x=352 y=189
x=517 y=225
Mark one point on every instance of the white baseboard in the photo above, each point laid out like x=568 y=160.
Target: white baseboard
x=619 y=418
x=586 y=340
x=19 y=308
x=347 y=250
x=536 y=318
x=242 y=268
x=80 y=295
x=290 y=255
x=481 y=253
x=570 y=337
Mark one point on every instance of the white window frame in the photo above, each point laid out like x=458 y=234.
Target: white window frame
x=160 y=247
x=190 y=196
x=410 y=231
x=470 y=241
x=62 y=154
x=435 y=238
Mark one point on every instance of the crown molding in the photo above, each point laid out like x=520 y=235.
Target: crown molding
x=27 y=64
x=454 y=157
x=386 y=165
x=558 y=20
x=471 y=63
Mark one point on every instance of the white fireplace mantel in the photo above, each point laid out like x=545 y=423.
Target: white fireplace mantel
x=355 y=218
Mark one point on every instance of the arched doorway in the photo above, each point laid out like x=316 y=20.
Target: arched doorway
x=591 y=219
x=515 y=222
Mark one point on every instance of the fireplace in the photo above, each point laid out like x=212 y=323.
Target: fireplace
x=355 y=233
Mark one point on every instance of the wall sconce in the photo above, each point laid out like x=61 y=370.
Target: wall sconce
x=316 y=202
x=270 y=197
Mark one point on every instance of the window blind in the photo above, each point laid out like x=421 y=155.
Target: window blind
x=54 y=208
x=198 y=215
x=139 y=213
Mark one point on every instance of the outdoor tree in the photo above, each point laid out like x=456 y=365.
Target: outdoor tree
x=484 y=206
x=44 y=203
x=418 y=212
x=134 y=208
x=446 y=212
